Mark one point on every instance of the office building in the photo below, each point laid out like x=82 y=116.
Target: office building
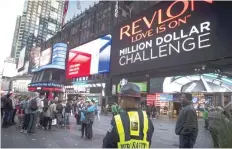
x=40 y=21
x=15 y=37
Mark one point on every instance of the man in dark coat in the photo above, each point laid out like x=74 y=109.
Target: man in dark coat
x=187 y=123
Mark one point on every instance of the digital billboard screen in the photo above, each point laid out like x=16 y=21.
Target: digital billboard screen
x=59 y=54
x=90 y=58
x=34 y=57
x=172 y=33
x=45 y=57
x=21 y=58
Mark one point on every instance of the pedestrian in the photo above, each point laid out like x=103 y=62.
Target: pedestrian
x=40 y=103
x=187 y=123
x=3 y=98
x=131 y=128
x=148 y=111
x=205 y=117
x=98 y=109
x=90 y=116
x=33 y=110
x=26 y=120
x=8 y=110
x=114 y=109
x=20 y=114
x=59 y=108
x=67 y=113
x=49 y=115
x=14 y=104
x=83 y=123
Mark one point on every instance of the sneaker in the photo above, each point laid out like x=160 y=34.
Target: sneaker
x=25 y=131
x=21 y=131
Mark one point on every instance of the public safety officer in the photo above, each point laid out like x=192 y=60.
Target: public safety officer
x=131 y=128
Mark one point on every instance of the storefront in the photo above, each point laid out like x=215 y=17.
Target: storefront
x=180 y=46
x=87 y=69
x=49 y=76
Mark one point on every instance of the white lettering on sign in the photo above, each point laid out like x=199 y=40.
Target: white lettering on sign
x=197 y=37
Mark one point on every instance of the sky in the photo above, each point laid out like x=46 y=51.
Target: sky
x=12 y=8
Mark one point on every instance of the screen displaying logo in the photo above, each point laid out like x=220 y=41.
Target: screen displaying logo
x=59 y=54
x=90 y=58
x=170 y=34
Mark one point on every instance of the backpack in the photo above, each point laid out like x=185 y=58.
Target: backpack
x=59 y=108
x=33 y=104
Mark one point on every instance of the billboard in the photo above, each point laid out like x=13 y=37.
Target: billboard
x=209 y=82
x=45 y=57
x=172 y=33
x=9 y=69
x=90 y=58
x=21 y=58
x=34 y=57
x=59 y=54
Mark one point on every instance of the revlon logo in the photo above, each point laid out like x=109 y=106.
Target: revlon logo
x=163 y=19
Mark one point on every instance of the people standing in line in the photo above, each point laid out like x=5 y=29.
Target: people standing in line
x=26 y=120
x=205 y=117
x=90 y=116
x=67 y=113
x=8 y=110
x=50 y=115
x=59 y=109
x=80 y=105
x=131 y=128
x=33 y=110
x=187 y=123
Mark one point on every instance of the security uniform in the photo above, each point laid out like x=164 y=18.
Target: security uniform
x=129 y=129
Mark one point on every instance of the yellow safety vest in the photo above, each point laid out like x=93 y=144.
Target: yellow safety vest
x=134 y=123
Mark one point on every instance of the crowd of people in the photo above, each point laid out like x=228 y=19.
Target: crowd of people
x=36 y=111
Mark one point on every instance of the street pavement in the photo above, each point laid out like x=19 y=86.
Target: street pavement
x=164 y=136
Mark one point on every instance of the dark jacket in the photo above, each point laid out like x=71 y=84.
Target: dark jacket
x=68 y=108
x=187 y=123
x=8 y=105
x=112 y=138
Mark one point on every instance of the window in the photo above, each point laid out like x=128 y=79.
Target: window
x=52 y=27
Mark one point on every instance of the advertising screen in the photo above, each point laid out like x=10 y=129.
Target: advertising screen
x=21 y=58
x=172 y=33
x=9 y=69
x=59 y=54
x=45 y=57
x=90 y=58
x=34 y=57
x=209 y=82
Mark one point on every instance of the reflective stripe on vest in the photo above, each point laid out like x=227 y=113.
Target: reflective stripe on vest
x=134 y=123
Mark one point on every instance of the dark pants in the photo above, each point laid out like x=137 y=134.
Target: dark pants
x=6 y=118
x=26 y=121
x=83 y=130
x=2 y=112
x=90 y=130
x=78 y=119
x=47 y=122
x=186 y=141
x=32 y=122
x=206 y=123
x=13 y=116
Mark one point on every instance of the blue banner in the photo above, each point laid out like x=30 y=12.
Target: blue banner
x=166 y=97
x=59 y=54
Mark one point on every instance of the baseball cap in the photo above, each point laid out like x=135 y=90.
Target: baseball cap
x=130 y=90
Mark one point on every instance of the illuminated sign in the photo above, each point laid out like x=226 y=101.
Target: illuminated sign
x=45 y=84
x=172 y=34
x=90 y=58
x=59 y=54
